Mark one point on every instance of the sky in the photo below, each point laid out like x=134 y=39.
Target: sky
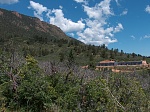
x=119 y=24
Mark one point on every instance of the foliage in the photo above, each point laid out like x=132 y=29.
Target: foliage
x=27 y=88
x=24 y=86
x=32 y=92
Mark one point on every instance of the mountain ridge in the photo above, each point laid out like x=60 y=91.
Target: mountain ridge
x=13 y=22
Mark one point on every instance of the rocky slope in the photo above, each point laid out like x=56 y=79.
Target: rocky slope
x=13 y=23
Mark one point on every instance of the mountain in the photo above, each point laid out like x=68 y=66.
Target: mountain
x=32 y=36
x=13 y=23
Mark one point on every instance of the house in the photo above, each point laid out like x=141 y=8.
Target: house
x=109 y=64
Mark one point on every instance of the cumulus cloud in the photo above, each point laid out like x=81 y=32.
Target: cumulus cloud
x=147 y=9
x=99 y=10
x=118 y=28
x=97 y=36
x=96 y=31
x=38 y=9
x=65 y=24
x=81 y=1
x=56 y=17
x=8 y=1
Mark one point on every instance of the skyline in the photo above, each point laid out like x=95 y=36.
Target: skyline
x=118 y=24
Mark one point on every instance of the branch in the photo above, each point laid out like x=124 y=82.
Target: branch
x=119 y=104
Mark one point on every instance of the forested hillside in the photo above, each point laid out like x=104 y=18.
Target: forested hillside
x=15 y=24
x=39 y=39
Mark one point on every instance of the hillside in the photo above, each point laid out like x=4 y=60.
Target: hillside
x=44 y=41
x=13 y=23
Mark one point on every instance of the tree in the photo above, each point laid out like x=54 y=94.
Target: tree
x=27 y=88
x=112 y=55
x=61 y=57
x=128 y=56
x=133 y=55
x=115 y=51
x=70 y=59
x=104 y=54
x=91 y=61
x=103 y=46
x=121 y=53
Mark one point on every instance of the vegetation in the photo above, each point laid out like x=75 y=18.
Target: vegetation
x=40 y=71
x=26 y=86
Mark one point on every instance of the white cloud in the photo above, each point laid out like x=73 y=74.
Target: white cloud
x=56 y=17
x=81 y=1
x=117 y=2
x=8 y=1
x=65 y=24
x=146 y=36
x=99 y=11
x=38 y=9
x=118 y=28
x=93 y=12
x=97 y=36
x=48 y=14
x=97 y=32
x=60 y=7
x=147 y=9
x=105 y=6
x=71 y=34
x=124 y=12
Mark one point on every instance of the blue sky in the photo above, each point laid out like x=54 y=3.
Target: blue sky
x=122 y=24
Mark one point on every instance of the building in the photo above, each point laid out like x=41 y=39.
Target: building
x=111 y=64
